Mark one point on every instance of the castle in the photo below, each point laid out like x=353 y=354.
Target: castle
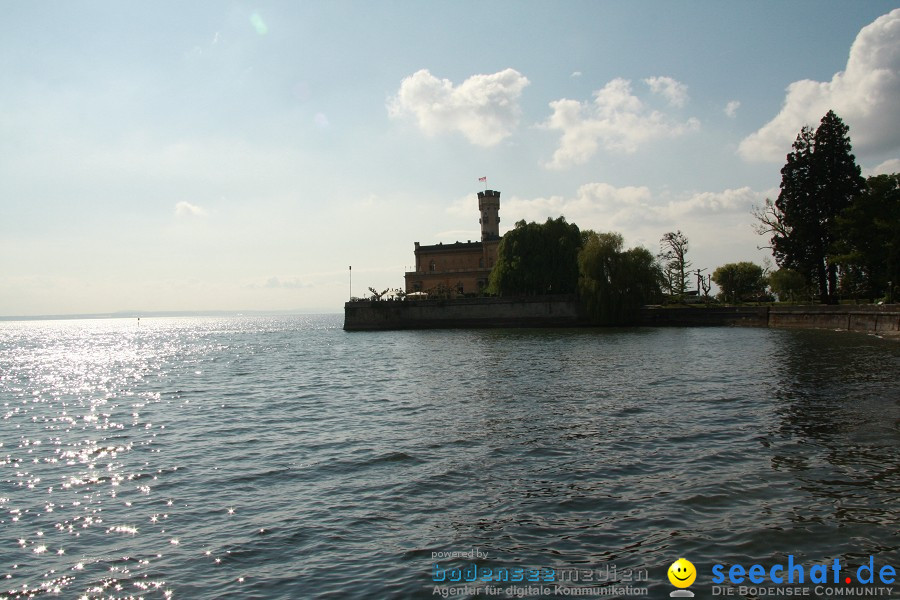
x=463 y=267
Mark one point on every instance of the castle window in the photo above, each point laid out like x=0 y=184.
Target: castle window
x=481 y=262
x=431 y=266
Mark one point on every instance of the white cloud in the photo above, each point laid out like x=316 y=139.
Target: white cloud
x=463 y=206
x=865 y=95
x=576 y=74
x=731 y=108
x=186 y=209
x=617 y=120
x=673 y=91
x=484 y=108
x=888 y=167
x=718 y=224
x=609 y=207
x=703 y=204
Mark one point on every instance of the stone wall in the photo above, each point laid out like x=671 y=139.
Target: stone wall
x=714 y=316
x=864 y=317
x=533 y=311
x=564 y=311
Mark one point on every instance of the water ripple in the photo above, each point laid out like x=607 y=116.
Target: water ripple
x=282 y=458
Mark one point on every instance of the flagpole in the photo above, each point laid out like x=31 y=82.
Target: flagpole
x=351 y=282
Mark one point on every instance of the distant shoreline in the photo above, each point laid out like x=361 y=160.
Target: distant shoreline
x=161 y=314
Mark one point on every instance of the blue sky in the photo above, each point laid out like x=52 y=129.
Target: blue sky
x=237 y=156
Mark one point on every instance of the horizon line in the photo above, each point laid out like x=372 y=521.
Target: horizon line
x=132 y=314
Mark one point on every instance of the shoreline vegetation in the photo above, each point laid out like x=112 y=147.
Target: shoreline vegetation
x=834 y=236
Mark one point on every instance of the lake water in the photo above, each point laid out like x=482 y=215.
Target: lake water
x=256 y=457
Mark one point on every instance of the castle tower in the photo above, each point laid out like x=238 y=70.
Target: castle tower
x=489 y=206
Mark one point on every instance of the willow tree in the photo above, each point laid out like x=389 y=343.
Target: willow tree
x=614 y=284
x=535 y=259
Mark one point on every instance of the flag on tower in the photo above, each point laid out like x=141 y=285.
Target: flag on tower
x=484 y=179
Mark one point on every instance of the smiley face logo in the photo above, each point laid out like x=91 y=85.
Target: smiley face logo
x=682 y=573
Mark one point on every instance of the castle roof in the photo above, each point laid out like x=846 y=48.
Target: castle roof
x=457 y=247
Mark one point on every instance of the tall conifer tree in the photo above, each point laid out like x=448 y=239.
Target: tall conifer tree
x=839 y=182
x=818 y=182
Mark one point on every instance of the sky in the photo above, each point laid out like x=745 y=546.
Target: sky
x=191 y=156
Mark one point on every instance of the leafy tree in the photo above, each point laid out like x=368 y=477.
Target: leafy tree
x=868 y=249
x=674 y=246
x=535 y=259
x=613 y=284
x=788 y=284
x=740 y=282
x=818 y=182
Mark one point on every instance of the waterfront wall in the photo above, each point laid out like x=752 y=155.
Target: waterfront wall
x=863 y=317
x=872 y=318
x=532 y=311
x=564 y=311
x=714 y=316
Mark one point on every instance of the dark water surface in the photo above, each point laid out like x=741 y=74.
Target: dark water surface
x=284 y=458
